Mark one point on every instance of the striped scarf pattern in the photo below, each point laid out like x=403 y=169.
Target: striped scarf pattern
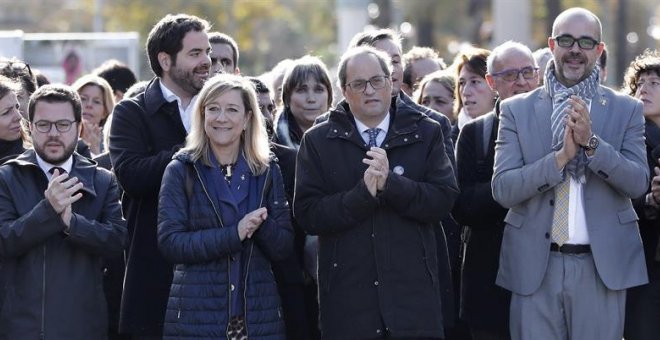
x=586 y=90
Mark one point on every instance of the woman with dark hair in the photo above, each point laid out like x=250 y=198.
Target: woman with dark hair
x=12 y=135
x=474 y=97
x=306 y=94
x=20 y=72
x=642 y=80
x=223 y=219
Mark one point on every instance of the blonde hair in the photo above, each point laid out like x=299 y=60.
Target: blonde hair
x=106 y=89
x=254 y=140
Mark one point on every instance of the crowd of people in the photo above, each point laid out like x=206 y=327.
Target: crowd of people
x=508 y=195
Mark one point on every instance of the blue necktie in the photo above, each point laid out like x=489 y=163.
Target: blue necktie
x=373 y=133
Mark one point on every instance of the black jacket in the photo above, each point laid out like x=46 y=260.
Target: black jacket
x=484 y=305
x=378 y=269
x=54 y=282
x=146 y=131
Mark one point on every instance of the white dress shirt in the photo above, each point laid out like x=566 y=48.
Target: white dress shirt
x=383 y=126
x=185 y=112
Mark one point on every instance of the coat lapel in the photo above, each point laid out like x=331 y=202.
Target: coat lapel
x=542 y=113
x=598 y=112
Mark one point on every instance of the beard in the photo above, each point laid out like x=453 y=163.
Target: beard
x=187 y=80
x=68 y=151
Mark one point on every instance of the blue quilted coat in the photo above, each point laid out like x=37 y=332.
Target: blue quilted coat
x=193 y=235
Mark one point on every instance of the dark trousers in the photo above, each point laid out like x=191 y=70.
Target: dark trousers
x=643 y=308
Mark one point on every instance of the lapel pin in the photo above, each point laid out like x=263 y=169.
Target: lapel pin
x=398 y=170
x=603 y=101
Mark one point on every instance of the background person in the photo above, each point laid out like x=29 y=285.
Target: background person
x=98 y=102
x=642 y=80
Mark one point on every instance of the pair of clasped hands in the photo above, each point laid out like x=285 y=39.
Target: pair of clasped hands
x=379 y=168
x=61 y=193
x=577 y=130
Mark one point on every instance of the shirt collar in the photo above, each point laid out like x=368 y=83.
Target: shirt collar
x=45 y=166
x=383 y=126
x=168 y=94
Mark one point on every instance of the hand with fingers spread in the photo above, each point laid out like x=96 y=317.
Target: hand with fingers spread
x=251 y=223
x=91 y=134
x=61 y=193
x=378 y=170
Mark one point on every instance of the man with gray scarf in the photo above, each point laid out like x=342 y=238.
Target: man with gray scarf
x=568 y=158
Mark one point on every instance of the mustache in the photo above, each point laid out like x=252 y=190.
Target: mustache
x=575 y=55
x=54 y=140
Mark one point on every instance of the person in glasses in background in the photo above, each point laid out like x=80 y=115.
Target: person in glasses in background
x=568 y=159
x=59 y=214
x=372 y=182
x=20 y=72
x=511 y=70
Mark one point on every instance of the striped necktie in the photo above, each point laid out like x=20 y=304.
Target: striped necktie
x=560 y=217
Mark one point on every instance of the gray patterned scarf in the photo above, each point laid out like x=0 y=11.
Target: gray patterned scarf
x=585 y=89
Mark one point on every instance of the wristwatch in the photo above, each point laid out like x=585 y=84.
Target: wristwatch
x=592 y=143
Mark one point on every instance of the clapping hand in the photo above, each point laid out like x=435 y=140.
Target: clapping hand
x=379 y=168
x=251 y=223
x=61 y=193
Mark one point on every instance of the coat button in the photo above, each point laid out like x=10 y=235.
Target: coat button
x=345 y=133
x=334 y=265
x=335 y=130
x=416 y=136
x=375 y=283
x=379 y=331
x=405 y=139
x=547 y=236
x=387 y=145
x=552 y=203
x=232 y=287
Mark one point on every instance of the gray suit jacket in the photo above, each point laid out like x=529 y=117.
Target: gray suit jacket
x=526 y=173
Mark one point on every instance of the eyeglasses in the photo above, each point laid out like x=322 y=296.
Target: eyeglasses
x=16 y=66
x=512 y=74
x=568 y=40
x=377 y=82
x=61 y=125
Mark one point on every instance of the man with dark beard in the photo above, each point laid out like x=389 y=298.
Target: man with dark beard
x=59 y=214
x=146 y=131
x=569 y=156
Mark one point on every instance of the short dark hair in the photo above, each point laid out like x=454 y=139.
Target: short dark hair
x=647 y=62
x=19 y=71
x=259 y=86
x=167 y=36
x=369 y=38
x=419 y=53
x=117 y=74
x=298 y=72
x=221 y=38
x=56 y=93
x=8 y=85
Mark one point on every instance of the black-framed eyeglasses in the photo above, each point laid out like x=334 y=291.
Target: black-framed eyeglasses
x=512 y=74
x=377 y=82
x=62 y=125
x=16 y=65
x=567 y=41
